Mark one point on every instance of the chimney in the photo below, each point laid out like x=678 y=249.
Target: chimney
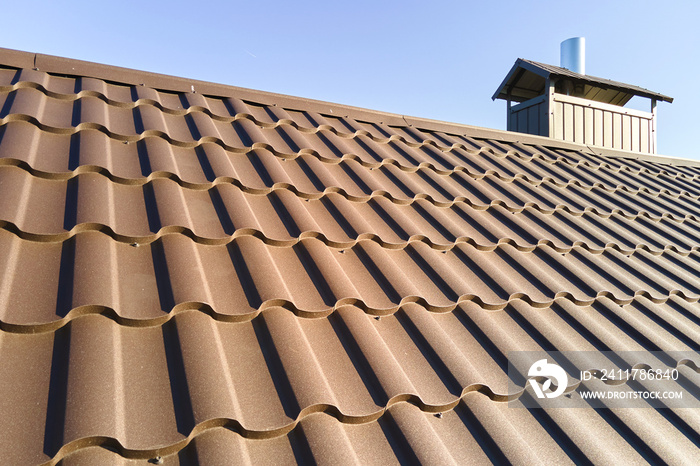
x=564 y=103
x=573 y=55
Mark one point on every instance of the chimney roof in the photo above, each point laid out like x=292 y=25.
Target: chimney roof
x=527 y=78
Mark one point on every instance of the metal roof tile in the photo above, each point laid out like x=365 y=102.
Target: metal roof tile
x=228 y=275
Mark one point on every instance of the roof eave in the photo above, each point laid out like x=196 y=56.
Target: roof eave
x=519 y=64
x=603 y=83
x=632 y=91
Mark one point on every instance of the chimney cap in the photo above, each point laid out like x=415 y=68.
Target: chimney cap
x=527 y=78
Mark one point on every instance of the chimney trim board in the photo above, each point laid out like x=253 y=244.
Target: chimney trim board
x=601 y=105
x=528 y=103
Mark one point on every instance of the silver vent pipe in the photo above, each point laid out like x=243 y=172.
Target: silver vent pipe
x=573 y=55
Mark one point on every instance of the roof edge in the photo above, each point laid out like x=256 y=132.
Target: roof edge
x=80 y=68
x=544 y=70
x=74 y=67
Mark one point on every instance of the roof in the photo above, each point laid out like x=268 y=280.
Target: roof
x=226 y=276
x=527 y=78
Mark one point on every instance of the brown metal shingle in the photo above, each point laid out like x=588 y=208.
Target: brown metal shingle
x=233 y=276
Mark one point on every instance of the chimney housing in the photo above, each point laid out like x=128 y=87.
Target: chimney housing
x=562 y=102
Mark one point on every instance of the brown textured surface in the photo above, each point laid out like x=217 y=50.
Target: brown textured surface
x=236 y=277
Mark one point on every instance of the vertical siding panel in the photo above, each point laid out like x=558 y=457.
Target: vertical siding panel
x=598 y=130
x=616 y=131
x=544 y=120
x=568 y=122
x=522 y=121
x=607 y=129
x=588 y=125
x=636 y=121
x=533 y=123
x=513 y=123
x=626 y=135
x=558 y=120
x=579 y=123
x=644 y=135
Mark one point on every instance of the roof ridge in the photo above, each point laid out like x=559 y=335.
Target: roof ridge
x=74 y=67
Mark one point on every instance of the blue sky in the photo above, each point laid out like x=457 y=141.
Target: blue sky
x=439 y=60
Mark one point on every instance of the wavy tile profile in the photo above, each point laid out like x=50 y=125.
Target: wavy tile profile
x=47 y=209
x=198 y=274
x=475 y=430
x=236 y=280
x=191 y=374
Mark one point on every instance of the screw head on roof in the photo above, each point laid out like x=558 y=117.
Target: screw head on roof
x=156 y=460
x=377 y=317
x=135 y=245
x=438 y=415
